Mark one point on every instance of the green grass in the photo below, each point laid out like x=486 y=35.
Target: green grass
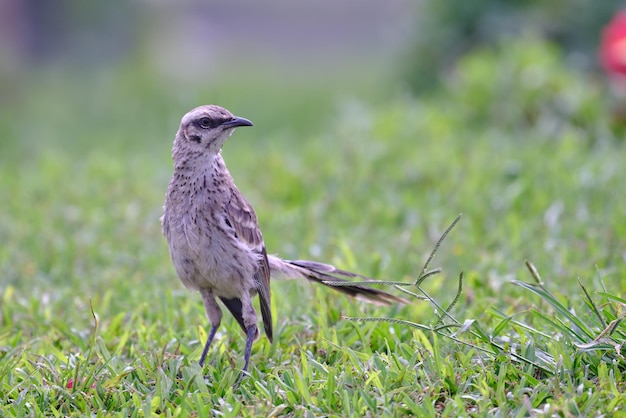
x=88 y=294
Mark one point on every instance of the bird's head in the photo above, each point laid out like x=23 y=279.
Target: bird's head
x=206 y=128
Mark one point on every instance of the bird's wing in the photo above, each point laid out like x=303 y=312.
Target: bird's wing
x=242 y=218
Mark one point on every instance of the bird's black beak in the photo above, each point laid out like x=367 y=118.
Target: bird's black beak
x=237 y=121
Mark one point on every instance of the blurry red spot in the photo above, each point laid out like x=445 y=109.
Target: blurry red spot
x=613 y=45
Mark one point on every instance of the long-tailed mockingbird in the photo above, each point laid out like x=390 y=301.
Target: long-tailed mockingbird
x=214 y=238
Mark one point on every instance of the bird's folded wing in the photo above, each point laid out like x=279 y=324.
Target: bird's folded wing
x=244 y=221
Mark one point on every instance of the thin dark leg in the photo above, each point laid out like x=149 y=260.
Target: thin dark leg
x=250 y=335
x=249 y=340
x=208 y=343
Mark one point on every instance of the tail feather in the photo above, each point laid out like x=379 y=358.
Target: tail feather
x=322 y=273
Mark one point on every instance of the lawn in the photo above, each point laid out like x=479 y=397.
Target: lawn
x=93 y=320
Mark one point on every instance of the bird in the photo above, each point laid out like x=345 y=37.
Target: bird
x=214 y=239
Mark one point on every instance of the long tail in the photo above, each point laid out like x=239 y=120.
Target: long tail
x=320 y=273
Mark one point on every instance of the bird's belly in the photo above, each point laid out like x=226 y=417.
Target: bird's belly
x=213 y=261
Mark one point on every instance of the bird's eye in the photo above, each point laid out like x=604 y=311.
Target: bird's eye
x=205 y=123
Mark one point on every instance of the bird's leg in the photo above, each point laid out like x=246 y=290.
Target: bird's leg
x=248 y=321
x=214 y=313
x=251 y=335
x=208 y=344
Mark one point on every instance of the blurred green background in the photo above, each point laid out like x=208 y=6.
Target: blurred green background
x=82 y=66
x=97 y=89
x=376 y=123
